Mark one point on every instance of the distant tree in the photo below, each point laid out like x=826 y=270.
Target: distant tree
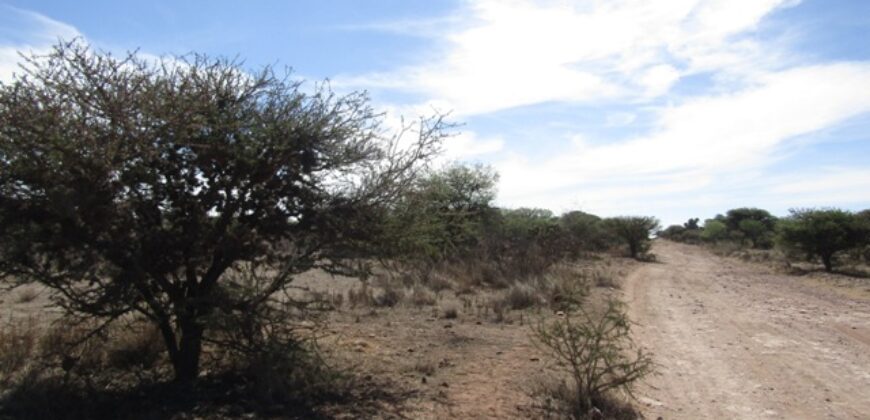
x=692 y=224
x=863 y=217
x=822 y=232
x=527 y=241
x=754 y=224
x=184 y=188
x=635 y=231
x=584 y=231
x=673 y=232
x=714 y=230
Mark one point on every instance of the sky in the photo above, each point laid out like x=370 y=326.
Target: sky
x=676 y=109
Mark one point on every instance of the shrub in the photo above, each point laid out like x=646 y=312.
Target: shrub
x=450 y=313
x=597 y=352
x=390 y=296
x=603 y=278
x=360 y=296
x=521 y=296
x=565 y=289
x=421 y=296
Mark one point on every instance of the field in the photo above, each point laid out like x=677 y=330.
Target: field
x=730 y=339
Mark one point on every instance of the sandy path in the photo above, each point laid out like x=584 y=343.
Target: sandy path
x=734 y=341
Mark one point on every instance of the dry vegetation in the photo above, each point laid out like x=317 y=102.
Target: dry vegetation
x=167 y=231
x=386 y=347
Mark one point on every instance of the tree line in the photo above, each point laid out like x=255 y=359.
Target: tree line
x=820 y=234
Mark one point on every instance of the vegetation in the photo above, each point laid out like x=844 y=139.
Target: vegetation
x=168 y=207
x=634 y=231
x=689 y=232
x=181 y=191
x=809 y=233
x=754 y=225
x=823 y=233
x=598 y=354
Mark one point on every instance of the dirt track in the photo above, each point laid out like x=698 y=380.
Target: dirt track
x=735 y=340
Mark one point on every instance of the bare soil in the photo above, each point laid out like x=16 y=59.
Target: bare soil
x=739 y=340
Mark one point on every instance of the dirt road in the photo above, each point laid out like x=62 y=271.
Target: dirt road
x=734 y=340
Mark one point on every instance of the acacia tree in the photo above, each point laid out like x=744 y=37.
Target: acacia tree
x=823 y=232
x=635 y=231
x=443 y=214
x=178 y=188
x=755 y=224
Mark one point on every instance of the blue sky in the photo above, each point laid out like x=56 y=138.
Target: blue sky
x=678 y=109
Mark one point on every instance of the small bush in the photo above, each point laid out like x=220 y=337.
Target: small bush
x=565 y=288
x=605 y=279
x=438 y=282
x=521 y=296
x=390 y=297
x=450 y=313
x=361 y=296
x=420 y=296
x=597 y=352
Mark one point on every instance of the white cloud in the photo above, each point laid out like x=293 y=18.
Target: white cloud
x=707 y=150
x=28 y=32
x=833 y=185
x=698 y=141
x=467 y=145
x=505 y=54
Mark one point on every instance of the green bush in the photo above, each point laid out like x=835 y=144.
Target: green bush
x=714 y=230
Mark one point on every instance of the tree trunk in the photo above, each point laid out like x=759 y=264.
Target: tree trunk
x=185 y=361
x=632 y=248
x=826 y=260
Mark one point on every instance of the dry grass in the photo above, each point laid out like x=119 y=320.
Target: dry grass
x=18 y=345
x=606 y=278
x=421 y=296
x=521 y=296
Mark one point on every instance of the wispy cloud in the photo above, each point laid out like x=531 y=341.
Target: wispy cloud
x=707 y=137
x=508 y=54
x=25 y=31
x=758 y=96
